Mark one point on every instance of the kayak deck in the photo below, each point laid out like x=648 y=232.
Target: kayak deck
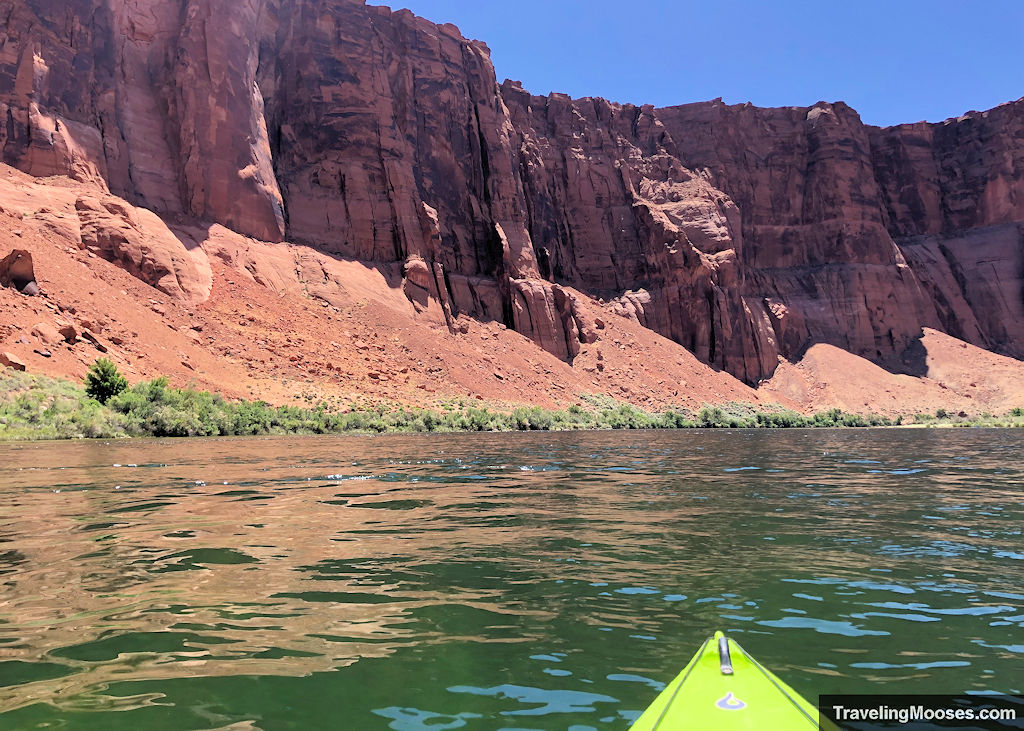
x=723 y=688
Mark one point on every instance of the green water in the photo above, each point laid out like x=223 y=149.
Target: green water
x=514 y=581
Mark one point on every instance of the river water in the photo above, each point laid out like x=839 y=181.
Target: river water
x=513 y=581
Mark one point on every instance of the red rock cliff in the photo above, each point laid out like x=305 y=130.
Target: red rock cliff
x=741 y=233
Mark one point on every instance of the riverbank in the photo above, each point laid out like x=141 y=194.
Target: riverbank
x=34 y=407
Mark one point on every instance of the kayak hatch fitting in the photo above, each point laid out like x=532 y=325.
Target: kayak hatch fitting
x=724 y=658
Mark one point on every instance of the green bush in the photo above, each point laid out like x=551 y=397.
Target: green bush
x=781 y=420
x=853 y=420
x=103 y=381
x=712 y=417
x=829 y=418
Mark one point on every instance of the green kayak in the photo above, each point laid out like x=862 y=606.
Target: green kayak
x=723 y=688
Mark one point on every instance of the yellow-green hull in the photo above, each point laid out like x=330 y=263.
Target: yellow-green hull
x=705 y=697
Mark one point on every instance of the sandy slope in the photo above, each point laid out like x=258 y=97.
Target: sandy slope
x=956 y=376
x=288 y=324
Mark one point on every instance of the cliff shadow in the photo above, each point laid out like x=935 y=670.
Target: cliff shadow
x=913 y=361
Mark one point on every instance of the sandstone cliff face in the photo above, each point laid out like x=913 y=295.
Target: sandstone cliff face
x=614 y=212
x=956 y=175
x=820 y=253
x=953 y=196
x=155 y=100
x=878 y=217
x=743 y=234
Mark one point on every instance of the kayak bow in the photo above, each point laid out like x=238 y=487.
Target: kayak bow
x=723 y=688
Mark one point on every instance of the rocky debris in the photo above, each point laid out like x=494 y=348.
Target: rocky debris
x=16 y=270
x=9 y=360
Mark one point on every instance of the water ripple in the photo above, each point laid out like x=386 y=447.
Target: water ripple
x=542 y=581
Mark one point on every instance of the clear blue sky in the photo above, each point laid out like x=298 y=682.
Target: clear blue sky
x=894 y=61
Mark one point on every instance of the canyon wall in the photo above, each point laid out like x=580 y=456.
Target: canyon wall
x=744 y=234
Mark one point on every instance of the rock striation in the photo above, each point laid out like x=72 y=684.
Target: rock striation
x=743 y=234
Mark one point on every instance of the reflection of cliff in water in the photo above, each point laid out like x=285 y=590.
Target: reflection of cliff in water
x=291 y=557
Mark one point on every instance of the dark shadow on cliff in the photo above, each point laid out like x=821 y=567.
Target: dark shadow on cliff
x=189 y=231
x=193 y=234
x=913 y=361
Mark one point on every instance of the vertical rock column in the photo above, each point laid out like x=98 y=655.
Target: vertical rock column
x=227 y=170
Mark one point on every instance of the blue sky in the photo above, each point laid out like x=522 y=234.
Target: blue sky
x=894 y=61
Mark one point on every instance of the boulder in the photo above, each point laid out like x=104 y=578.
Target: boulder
x=46 y=333
x=96 y=342
x=69 y=332
x=9 y=360
x=16 y=270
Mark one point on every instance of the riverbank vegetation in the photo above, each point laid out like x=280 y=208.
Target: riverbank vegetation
x=37 y=407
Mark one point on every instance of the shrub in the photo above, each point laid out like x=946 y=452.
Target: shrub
x=782 y=420
x=879 y=420
x=713 y=418
x=103 y=381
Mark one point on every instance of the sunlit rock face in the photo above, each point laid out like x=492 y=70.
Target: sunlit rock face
x=744 y=234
